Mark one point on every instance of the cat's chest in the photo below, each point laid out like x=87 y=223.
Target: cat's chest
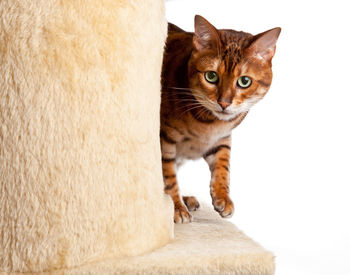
x=199 y=141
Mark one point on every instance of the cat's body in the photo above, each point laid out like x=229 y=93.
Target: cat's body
x=196 y=113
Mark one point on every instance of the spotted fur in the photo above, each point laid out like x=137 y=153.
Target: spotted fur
x=197 y=117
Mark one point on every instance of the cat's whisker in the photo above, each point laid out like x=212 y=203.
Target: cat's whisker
x=204 y=111
x=193 y=108
x=201 y=112
x=182 y=100
x=195 y=93
x=196 y=96
x=180 y=89
x=185 y=89
x=190 y=105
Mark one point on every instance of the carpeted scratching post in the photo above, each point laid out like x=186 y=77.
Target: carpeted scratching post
x=81 y=189
x=79 y=150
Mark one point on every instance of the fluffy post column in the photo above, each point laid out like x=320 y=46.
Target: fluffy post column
x=80 y=167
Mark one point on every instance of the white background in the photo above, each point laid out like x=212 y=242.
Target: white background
x=290 y=157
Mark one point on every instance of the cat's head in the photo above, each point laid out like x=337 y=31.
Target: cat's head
x=230 y=71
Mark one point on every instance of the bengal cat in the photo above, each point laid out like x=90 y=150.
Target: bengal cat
x=210 y=80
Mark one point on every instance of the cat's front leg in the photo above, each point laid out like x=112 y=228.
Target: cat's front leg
x=171 y=187
x=218 y=159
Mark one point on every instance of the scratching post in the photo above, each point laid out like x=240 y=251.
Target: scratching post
x=81 y=188
x=80 y=163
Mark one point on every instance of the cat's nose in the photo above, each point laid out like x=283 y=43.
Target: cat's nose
x=224 y=104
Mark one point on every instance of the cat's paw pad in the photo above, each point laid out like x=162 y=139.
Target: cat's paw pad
x=182 y=215
x=191 y=203
x=224 y=206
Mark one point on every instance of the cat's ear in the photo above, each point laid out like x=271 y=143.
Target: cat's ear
x=264 y=44
x=205 y=35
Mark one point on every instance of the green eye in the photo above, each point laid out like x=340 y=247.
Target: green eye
x=211 y=77
x=244 y=81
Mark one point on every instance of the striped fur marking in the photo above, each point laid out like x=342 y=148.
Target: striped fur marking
x=166 y=138
x=165 y=160
x=216 y=149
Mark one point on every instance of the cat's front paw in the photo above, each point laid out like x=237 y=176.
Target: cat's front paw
x=191 y=202
x=224 y=206
x=182 y=215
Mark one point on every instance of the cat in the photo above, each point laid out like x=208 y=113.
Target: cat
x=210 y=80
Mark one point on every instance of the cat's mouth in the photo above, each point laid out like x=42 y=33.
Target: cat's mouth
x=224 y=115
x=224 y=112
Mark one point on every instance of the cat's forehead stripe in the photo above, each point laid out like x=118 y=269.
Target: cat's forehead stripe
x=235 y=43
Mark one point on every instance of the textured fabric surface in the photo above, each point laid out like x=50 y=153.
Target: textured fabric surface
x=208 y=245
x=80 y=166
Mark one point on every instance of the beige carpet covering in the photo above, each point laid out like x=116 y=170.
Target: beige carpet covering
x=209 y=245
x=80 y=169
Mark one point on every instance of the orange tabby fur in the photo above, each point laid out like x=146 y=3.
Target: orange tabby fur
x=197 y=116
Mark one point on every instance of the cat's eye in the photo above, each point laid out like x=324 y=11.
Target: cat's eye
x=211 y=77
x=244 y=81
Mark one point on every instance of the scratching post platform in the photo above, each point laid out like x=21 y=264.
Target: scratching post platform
x=81 y=186
x=209 y=245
